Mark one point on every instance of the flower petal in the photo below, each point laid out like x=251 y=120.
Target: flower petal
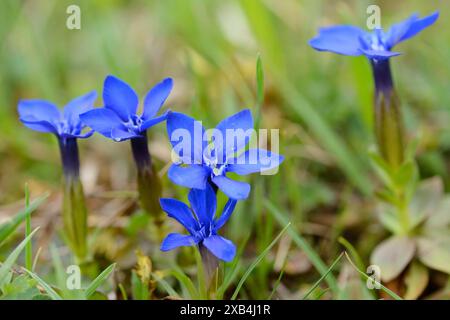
x=41 y=126
x=226 y=214
x=156 y=97
x=78 y=106
x=409 y=28
x=379 y=54
x=222 y=248
x=188 y=133
x=121 y=134
x=175 y=240
x=102 y=120
x=204 y=204
x=233 y=189
x=150 y=123
x=234 y=134
x=193 y=176
x=39 y=115
x=255 y=160
x=180 y=212
x=339 y=39
x=120 y=97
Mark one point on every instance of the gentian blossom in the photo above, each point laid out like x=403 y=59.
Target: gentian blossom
x=199 y=220
x=44 y=116
x=377 y=47
x=207 y=158
x=118 y=120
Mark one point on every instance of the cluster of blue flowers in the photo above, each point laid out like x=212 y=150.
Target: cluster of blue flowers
x=203 y=169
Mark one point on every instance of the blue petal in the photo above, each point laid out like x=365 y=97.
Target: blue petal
x=339 y=39
x=175 y=240
x=255 y=160
x=409 y=28
x=187 y=132
x=150 y=123
x=233 y=189
x=204 y=204
x=120 y=97
x=193 y=176
x=379 y=54
x=238 y=137
x=78 y=106
x=41 y=126
x=226 y=214
x=40 y=115
x=121 y=134
x=222 y=248
x=180 y=212
x=156 y=97
x=103 y=121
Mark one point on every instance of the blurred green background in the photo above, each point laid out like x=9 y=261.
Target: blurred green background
x=321 y=102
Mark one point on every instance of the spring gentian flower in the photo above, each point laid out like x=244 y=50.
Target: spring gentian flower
x=207 y=158
x=199 y=220
x=118 y=120
x=44 y=116
x=377 y=47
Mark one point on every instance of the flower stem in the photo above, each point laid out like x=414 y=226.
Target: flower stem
x=388 y=119
x=210 y=265
x=149 y=185
x=74 y=210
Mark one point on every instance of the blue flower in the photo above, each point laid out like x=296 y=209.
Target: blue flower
x=118 y=119
x=376 y=45
x=43 y=116
x=206 y=160
x=199 y=221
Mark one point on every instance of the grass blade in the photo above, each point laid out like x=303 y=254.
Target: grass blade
x=323 y=276
x=7 y=265
x=391 y=293
x=9 y=227
x=99 y=280
x=257 y=261
x=52 y=293
x=303 y=245
x=29 y=246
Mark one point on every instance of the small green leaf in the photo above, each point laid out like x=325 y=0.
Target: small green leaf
x=392 y=256
x=416 y=280
x=435 y=253
x=426 y=200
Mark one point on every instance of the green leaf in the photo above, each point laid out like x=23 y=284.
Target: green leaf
x=259 y=90
x=52 y=293
x=416 y=280
x=389 y=219
x=256 y=262
x=7 y=265
x=8 y=228
x=186 y=282
x=435 y=253
x=426 y=200
x=392 y=256
x=440 y=218
x=99 y=280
